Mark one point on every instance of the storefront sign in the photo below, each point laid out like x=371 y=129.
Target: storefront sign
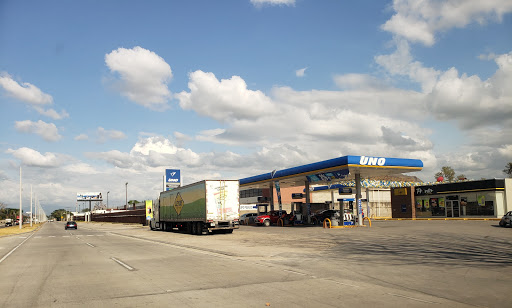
x=400 y=191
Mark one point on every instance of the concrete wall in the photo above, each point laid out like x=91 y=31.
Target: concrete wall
x=508 y=195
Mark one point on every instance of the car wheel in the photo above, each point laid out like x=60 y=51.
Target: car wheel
x=266 y=223
x=502 y=224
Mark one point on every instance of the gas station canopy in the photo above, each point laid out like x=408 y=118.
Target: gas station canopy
x=329 y=171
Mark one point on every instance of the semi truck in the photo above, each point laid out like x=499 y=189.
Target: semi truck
x=200 y=208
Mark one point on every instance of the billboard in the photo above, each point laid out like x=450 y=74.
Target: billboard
x=149 y=207
x=89 y=196
x=172 y=178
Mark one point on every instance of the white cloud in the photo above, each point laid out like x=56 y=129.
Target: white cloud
x=51 y=113
x=114 y=157
x=472 y=102
x=30 y=157
x=260 y=3
x=358 y=81
x=143 y=76
x=81 y=137
x=48 y=131
x=104 y=135
x=419 y=21
x=301 y=72
x=156 y=144
x=24 y=92
x=225 y=100
x=401 y=63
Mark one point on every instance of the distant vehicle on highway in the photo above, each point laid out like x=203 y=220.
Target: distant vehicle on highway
x=8 y=222
x=71 y=225
x=506 y=220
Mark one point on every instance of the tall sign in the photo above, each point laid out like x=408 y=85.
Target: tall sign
x=172 y=178
x=89 y=196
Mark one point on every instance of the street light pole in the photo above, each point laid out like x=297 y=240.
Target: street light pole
x=108 y=192
x=125 y=205
x=21 y=208
x=31 y=205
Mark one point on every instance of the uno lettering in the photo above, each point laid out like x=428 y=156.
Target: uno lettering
x=372 y=161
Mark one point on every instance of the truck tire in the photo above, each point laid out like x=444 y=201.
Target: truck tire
x=200 y=228
x=266 y=223
x=189 y=227
x=195 y=228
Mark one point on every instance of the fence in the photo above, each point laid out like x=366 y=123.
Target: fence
x=131 y=216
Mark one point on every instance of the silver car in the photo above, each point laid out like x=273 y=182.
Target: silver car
x=248 y=218
x=506 y=220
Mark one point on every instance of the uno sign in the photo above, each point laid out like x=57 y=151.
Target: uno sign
x=372 y=161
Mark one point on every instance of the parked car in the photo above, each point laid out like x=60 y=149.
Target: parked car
x=267 y=219
x=8 y=222
x=71 y=225
x=319 y=217
x=506 y=220
x=247 y=218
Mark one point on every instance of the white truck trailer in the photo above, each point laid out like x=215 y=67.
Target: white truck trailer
x=199 y=208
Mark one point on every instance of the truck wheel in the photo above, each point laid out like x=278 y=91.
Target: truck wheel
x=266 y=223
x=200 y=228
x=189 y=227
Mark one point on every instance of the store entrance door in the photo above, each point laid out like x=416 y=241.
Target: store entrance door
x=452 y=208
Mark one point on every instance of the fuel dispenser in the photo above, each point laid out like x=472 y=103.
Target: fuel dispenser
x=347 y=208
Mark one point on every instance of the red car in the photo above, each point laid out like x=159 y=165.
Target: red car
x=270 y=218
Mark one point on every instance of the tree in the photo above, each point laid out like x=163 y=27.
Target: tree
x=447 y=173
x=57 y=214
x=461 y=177
x=508 y=169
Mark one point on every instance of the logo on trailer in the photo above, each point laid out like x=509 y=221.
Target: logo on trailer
x=372 y=161
x=178 y=203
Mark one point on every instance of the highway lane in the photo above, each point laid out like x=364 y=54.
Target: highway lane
x=129 y=266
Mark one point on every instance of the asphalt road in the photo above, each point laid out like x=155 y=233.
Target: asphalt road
x=391 y=264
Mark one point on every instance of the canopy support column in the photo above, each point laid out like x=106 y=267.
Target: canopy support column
x=358 y=199
x=308 y=200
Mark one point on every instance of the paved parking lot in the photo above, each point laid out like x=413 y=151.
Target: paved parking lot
x=466 y=263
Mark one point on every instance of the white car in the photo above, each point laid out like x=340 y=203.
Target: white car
x=506 y=220
x=248 y=218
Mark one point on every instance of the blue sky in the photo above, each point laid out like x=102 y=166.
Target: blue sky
x=97 y=93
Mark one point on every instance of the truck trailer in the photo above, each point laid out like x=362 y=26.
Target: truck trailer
x=199 y=208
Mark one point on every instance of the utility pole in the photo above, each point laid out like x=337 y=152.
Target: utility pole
x=31 y=205
x=21 y=208
x=126 y=204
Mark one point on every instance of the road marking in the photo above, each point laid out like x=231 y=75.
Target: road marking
x=51 y=236
x=66 y=236
x=8 y=254
x=123 y=264
x=91 y=245
x=412 y=298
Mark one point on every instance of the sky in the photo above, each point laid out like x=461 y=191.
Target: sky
x=94 y=94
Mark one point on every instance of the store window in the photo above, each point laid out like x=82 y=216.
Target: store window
x=423 y=208
x=437 y=207
x=480 y=204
